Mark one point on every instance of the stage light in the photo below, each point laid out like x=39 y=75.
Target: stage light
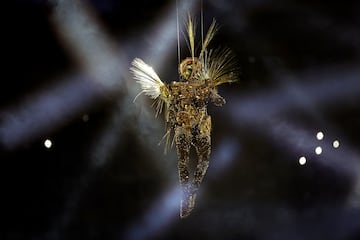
x=302 y=160
x=336 y=144
x=320 y=136
x=318 y=150
x=47 y=143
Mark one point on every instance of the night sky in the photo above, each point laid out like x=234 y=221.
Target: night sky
x=81 y=160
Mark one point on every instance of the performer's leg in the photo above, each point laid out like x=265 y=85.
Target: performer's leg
x=203 y=149
x=183 y=144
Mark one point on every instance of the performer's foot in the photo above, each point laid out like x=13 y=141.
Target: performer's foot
x=187 y=205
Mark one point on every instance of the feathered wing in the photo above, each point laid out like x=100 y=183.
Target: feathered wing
x=220 y=66
x=150 y=83
x=153 y=87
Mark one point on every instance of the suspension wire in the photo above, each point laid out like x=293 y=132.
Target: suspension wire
x=178 y=32
x=202 y=23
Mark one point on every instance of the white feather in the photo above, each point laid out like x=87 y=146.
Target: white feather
x=147 y=78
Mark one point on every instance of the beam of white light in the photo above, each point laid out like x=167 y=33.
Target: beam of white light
x=148 y=131
x=320 y=89
x=48 y=109
x=163 y=212
x=164 y=34
x=88 y=43
x=161 y=42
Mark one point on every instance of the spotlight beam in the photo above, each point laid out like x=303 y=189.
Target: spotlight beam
x=94 y=51
x=320 y=90
x=47 y=109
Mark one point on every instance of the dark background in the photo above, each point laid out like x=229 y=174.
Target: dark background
x=299 y=65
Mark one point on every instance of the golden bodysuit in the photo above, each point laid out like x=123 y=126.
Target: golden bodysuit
x=185 y=103
x=191 y=123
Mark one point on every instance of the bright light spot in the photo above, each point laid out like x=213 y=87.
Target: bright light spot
x=47 y=143
x=320 y=135
x=336 y=144
x=318 y=150
x=302 y=160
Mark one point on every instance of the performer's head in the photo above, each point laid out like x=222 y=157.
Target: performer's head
x=190 y=69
